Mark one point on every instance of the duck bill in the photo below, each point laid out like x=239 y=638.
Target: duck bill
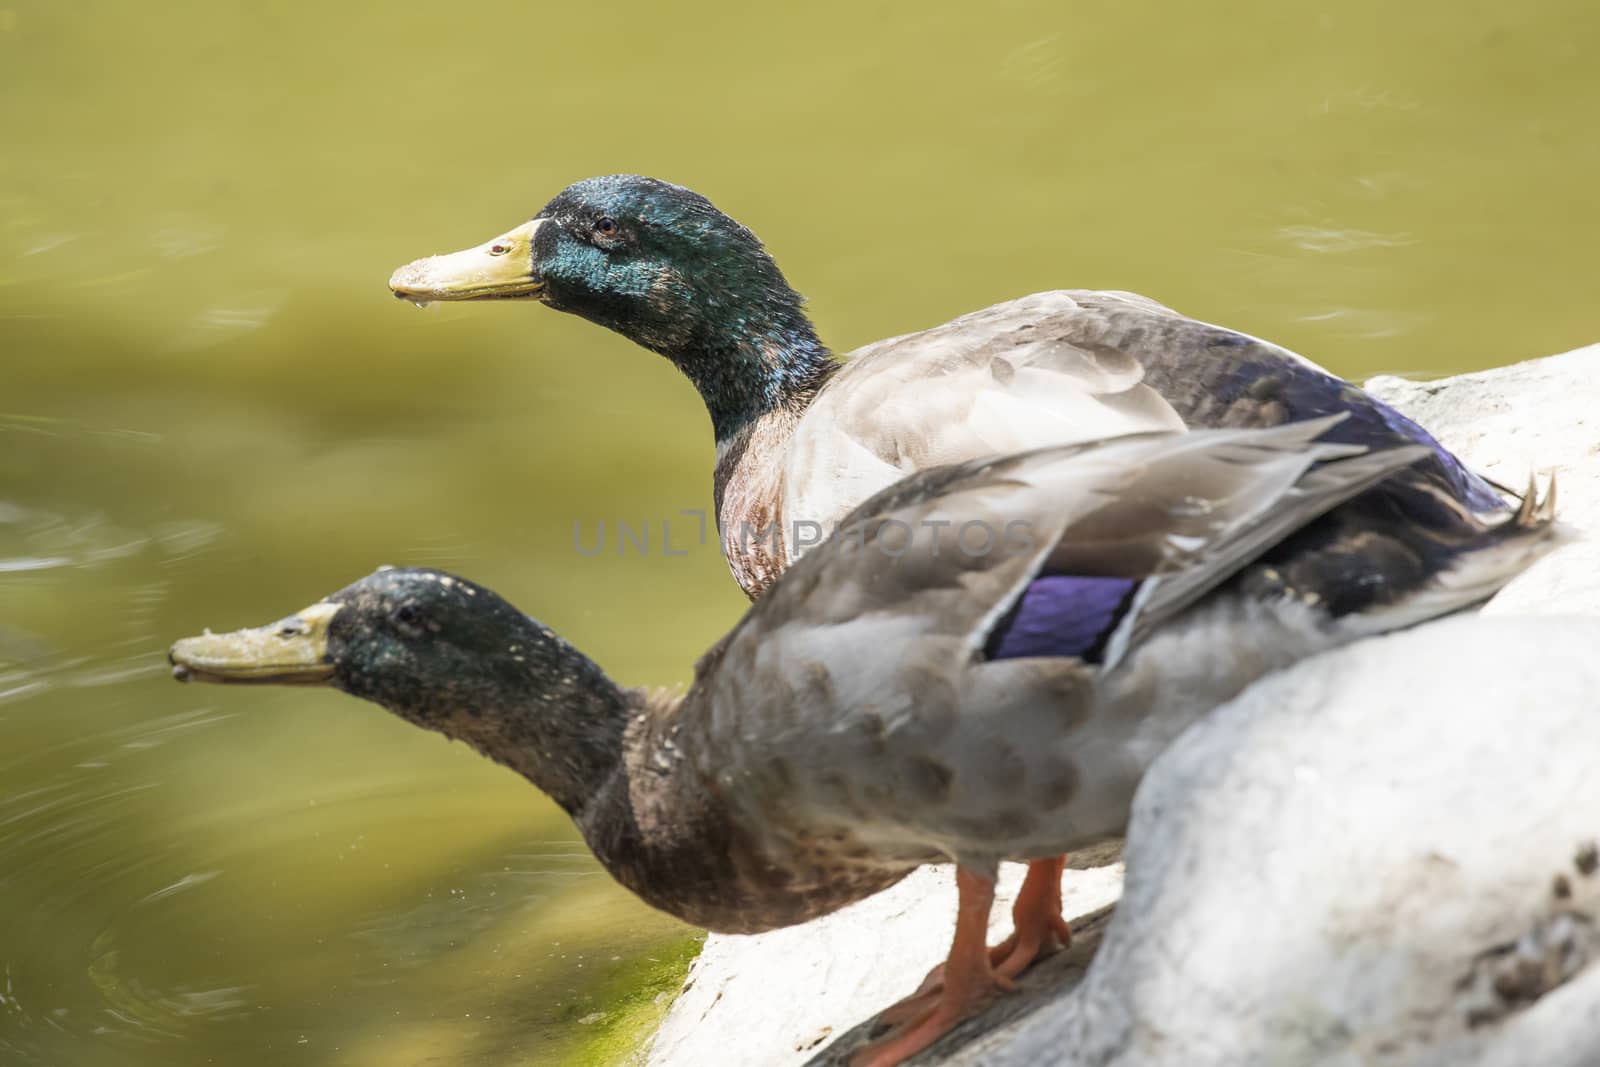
x=293 y=651
x=498 y=269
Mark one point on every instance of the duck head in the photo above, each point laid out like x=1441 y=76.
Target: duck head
x=660 y=265
x=446 y=655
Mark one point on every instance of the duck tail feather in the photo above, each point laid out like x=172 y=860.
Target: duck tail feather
x=1536 y=509
x=1528 y=510
x=1485 y=565
x=1547 y=510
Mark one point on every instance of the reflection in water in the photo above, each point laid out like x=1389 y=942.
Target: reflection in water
x=211 y=410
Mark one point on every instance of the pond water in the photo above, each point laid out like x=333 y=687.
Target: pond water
x=212 y=412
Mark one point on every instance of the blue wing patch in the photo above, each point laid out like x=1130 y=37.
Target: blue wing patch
x=1061 y=615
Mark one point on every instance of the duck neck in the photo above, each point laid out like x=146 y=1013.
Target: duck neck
x=754 y=367
x=664 y=832
x=548 y=712
x=665 y=826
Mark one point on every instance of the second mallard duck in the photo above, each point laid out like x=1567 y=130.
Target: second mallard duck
x=801 y=439
x=978 y=667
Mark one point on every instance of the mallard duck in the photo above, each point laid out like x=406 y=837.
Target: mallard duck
x=802 y=439
x=977 y=666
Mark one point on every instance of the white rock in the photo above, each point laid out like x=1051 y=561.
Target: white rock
x=1295 y=897
x=777 y=998
x=1321 y=871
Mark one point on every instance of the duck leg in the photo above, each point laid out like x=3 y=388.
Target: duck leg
x=1038 y=927
x=968 y=981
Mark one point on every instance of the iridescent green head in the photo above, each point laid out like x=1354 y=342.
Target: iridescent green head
x=660 y=265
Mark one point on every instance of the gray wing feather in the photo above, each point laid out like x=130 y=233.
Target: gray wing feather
x=1324 y=480
x=1191 y=508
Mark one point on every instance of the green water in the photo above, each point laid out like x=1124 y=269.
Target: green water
x=212 y=412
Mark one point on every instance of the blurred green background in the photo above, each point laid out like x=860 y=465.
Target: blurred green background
x=212 y=412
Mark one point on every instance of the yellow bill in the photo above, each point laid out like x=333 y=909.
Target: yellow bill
x=292 y=651
x=501 y=268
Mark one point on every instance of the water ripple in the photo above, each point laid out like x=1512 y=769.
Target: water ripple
x=1339 y=240
x=188 y=881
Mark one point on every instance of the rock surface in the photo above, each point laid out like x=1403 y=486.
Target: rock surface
x=1376 y=857
x=1466 y=807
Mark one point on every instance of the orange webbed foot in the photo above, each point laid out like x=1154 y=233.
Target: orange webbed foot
x=967 y=982
x=958 y=988
x=1038 y=929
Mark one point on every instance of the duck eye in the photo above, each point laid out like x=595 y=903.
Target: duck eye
x=407 y=617
x=498 y=249
x=605 y=225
